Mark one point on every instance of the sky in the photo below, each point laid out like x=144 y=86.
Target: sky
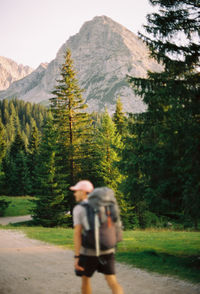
x=32 y=31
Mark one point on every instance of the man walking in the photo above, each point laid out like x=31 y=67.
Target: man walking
x=86 y=261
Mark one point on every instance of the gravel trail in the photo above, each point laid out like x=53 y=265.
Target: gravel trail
x=33 y=267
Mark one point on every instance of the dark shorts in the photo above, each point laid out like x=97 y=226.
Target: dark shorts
x=104 y=264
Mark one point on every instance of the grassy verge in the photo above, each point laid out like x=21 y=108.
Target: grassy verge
x=19 y=205
x=164 y=252
x=57 y=236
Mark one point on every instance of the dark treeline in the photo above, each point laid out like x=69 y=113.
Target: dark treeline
x=20 y=116
x=151 y=160
x=20 y=123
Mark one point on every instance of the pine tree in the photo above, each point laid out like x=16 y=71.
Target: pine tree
x=2 y=141
x=73 y=128
x=10 y=129
x=119 y=118
x=4 y=111
x=20 y=116
x=2 y=153
x=27 y=130
x=15 y=168
x=14 y=116
x=109 y=147
x=25 y=138
x=106 y=158
x=32 y=156
x=49 y=208
x=173 y=103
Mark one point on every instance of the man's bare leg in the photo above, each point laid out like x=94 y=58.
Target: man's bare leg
x=113 y=284
x=86 y=285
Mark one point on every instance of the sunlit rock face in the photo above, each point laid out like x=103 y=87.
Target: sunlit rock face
x=10 y=72
x=104 y=53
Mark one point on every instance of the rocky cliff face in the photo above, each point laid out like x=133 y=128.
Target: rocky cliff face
x=10 y=72
x=29 y=86
x=104 y=52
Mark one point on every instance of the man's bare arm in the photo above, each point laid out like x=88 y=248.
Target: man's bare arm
x=77 y=245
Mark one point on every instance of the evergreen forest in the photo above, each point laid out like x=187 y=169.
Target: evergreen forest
x=151 y=160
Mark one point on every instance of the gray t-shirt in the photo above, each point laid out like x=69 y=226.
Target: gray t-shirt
x=80 y=218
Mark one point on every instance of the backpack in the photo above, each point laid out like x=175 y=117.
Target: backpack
x=103 y=219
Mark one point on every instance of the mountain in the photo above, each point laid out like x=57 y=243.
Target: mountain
x=104 y=52
x=10 y=71
x=21 y=88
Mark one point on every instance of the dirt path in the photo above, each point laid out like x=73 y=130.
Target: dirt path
x=33 y=267
x=14 y=219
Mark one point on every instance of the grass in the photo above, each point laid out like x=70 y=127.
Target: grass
x=20 y=205
x=175 y=253
x=165 y=252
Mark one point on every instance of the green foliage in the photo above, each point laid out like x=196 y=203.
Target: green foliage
x=21 y=116
x=32 y=159
x=18 y=118
x=151 y=159
x=128 y=217
x=19 y=142
x=109 y=146
x=174 y=18
x=64 y=151
x=119 y=117
x=2 y=141
x=15 y=168
x=161 y=158
x=18 y=205
x=73 y=127
x=49 y=208
x=3 y=206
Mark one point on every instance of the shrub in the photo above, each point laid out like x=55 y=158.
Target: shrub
x=3 y=205
x=148 y=220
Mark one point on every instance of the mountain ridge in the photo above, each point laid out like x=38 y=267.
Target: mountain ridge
x=11 y=71
x=104 y=52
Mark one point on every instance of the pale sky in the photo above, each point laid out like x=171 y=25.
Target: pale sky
x=32 y=31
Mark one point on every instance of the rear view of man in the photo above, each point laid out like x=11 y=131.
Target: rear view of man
x=86 y=261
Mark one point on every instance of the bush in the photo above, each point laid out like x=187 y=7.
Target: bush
x=67 y=221
x=2 y=183
x=130 y=222
x=149 y=220
x=3 y=206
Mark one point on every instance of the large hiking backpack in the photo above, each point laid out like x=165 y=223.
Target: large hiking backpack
x=104 y=221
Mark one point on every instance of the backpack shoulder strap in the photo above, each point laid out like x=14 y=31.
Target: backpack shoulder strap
x=83 y=203
x=89 y=213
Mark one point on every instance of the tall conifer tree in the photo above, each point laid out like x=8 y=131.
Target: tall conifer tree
x=2 y=142
x=49 y=208
x=15 y=168
x=109 y=147
x=119 y=118
x=73 y=128
x=32 y=157
x=173 y=114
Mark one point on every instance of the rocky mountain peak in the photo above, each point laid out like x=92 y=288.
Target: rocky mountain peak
x=43 y=66
x=104 y=52
x=11 y=71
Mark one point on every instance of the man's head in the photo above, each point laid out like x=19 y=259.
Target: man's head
x=82 y=189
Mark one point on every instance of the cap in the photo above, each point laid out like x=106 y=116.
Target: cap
x=83 y=185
